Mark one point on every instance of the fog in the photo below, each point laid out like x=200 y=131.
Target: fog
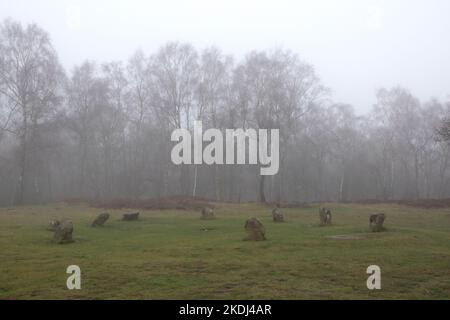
x=356 y=46
x=356 y=92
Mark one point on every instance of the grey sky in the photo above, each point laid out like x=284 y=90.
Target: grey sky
x=356 y=46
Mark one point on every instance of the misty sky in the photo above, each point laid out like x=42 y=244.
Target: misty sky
x=356 y=46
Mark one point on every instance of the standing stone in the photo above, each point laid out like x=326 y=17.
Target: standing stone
x=277 y=215
x=325 y=216
x=100 y=220
x=255 y=230
x=130 y=216
x=322 y=216
x=207 y=213
x=53 y=224
x=63 y=233
x=328 y=217
x=376 y=222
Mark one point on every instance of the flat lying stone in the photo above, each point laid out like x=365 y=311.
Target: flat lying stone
x=207 y=229
x=345 y=237
x=130 y=216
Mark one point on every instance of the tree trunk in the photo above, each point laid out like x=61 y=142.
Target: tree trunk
x=194 y=190
x=262 y=197
x=23 y=160
x=217 y=185
x=341 y=186
x=391 y=186
x=416 y=176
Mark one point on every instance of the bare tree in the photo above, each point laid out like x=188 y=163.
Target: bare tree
x=175 y=77
x=86 y=93
x=30 y=76
x=278 y=89
x=213 y=96
x=139 y=113
x=105 y=131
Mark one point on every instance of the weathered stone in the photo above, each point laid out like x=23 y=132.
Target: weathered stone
x=255 y=230
x=207 y=213
x=100 y=220
x=130 y=216
x=328 y=220
x=53 y=224
x=277 y=215
x=376 y=222
x=63 y=233
x=325 y=216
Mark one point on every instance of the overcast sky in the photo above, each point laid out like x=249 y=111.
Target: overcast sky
x=356 y=46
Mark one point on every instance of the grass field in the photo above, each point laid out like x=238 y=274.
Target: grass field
x=169 y=255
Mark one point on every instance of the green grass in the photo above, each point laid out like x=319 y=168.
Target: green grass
x=167 y=255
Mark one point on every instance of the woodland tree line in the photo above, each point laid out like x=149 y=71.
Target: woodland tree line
x=102 y=130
